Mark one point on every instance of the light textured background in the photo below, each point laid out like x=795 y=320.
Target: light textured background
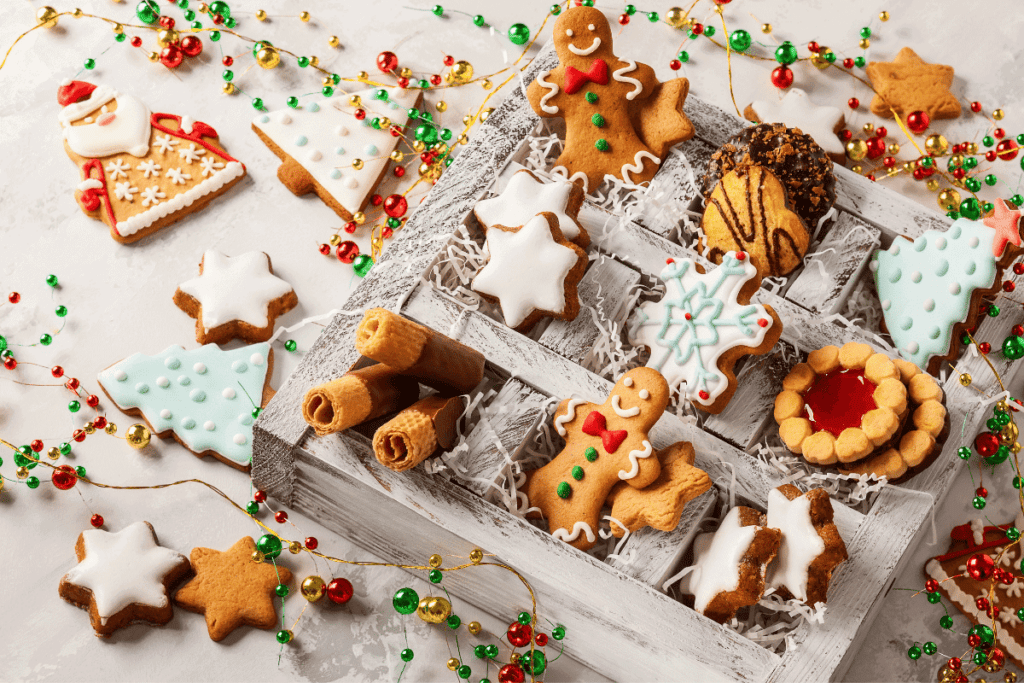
x=120 y=303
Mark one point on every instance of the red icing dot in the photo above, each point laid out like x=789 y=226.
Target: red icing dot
x=740 y=256
x=687 y=316
x=670 y=260
x=763 y=322
x=838 y=400
x=704 y=395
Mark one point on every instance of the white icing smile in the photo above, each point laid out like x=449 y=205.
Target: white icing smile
x=584 y=52
x=624 y=412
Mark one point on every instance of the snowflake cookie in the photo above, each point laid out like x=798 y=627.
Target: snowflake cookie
x=703 y=325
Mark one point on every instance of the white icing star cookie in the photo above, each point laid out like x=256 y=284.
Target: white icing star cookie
x=525 y=196
x=796 y=110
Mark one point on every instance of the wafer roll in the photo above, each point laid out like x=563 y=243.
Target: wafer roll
x=356 y=397
x=434 y=359
x=414 y=434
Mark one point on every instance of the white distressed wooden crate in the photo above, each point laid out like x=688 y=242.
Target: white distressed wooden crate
x=619 y=621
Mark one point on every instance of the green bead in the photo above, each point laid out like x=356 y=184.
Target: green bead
x=534 y=662
x=292 y=101
x=80 y=471
x=424 y=84
x=290 y=346
x=709 y=31
x=32 y=482
x=652 y=17
x=785 y=53
x=394 y=223
x=999 y=457
x=946 y=622
x=120 y=37
x=61 y=311
x=492 y=651
x=1003 y=418
x=183 y=4
x=454 y=622
x=437 y=10
x=1013 y=347
x=3 y=343
x=427 y=133
x=588 y=3
x=935 y=598
x=830 y=57
x=865 y=32
x=991 y=179
x=362 y=264
x=407 y=655
x=336 y=78
x=969 y=208
x=524 y=618
x=978 y=503
x=426 y=115
x=269 y=545
x=590 y=97
x=480 y=651
x=478 y=20
x=284 y=636
x=859 y=62
x=464 y=671
x=45 y=339
x=927 y=162
x=74 y=406
x=972 y=184
x=1016 y=482
x=683 y=56
x=739 y=40
x=563 y=490
x=630 y=10
x=970 y=162
x=518 y=33
x=198 y=25
x=22 y=460
x=988 y=141
x=1013 y=533
x=147 y=11
x=597 y=120
x=252 y=507
x=691 y=35
x=601 y=145
x=964 y=452
x=555 y=10
x=256 y=412
x=90 y=63
x=405 y=601
x=51 y=280
x=281 y=590
x=446 y=134
x=327 y=91
x=303 y=61
x=558 y=632
x=435 y=575
x=231 y=23
x=65 y=448
x=257 y=103
x=980 y=658
x=189 y=15
x=982 y=631
x=215 y=36
x=987 y=207
x=220 y=7
x=577 y=472
x=914 y=652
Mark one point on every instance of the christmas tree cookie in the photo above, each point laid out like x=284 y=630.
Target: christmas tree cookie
x=205 y=398
x=931 y=288
x=340 y=150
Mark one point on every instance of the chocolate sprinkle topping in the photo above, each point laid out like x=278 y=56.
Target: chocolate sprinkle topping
x=803 y=167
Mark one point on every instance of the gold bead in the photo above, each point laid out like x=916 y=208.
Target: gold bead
x=462 y=139
x=315 y=61
x=433 y=610
x=440 y=147
x=335 y=240
x=892 y=172
x=358 y=217
x=1009 y=434
x=908 y=166
x=418 y=145
x=405 y=72
x=77 y=13
x=485 y=113
x=462 y=71
x=229 y=88
x=486 y=84
x=261 y=15
x=89 y=428
x=257 y=556
x=894 y=148
x=424 y=169
x=948 y=200
x=476 y=555
x=766 y=28
x=467 y=120
x=864 y=43
x=453 y=664
x=1003 y=406
x=294 y=547
x=435 y=561
x=53 y=453
x=932 y=184
x=998 y=114
x=357 y=164
x=1 y=484
x=111 y=428
x=965 y=379
x=972 y=147
x=1015 y=448
x=856 y=149
x=333 y=41
x=355 y=100
x=21 y=472
x=936 y=144
x=166 y=36
x=398 y=156
x=385 y=123
x=46 y=16
x=883 y=16
x=1010 y=677
x=313 y=588
x=441 y=105
x=203 y=8
x=268 y=57
x=118 y=29
x=138 y=436
x=818 y=60
x=362 y=76
x=675 y=17
x=449 y=79
x=303 y=16
x=327 y=81
x=474 y=628
x=514 y=658
x=856 y=168
x=869 y=127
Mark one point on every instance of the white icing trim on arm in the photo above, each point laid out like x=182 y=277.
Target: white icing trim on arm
x=638 y=165
x=647 y=452
x=624 y=412
x=569 y=416
x=583 y=52
x=552 y=91
x=638 y=87
x=564 y=172
x=563 y=535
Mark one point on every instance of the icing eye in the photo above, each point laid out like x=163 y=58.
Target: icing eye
x=591 y=27
x=568 y=32
x=103 y=109
x=644 y=394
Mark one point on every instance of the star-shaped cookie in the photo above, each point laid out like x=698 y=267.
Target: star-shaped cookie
x=661 y=504
x=909 y=84
x=235 y=297
x=123 y=577
x=525 y=196
x=796 y=110
x=533 y=271
x=1005 y=222
x=231 y=590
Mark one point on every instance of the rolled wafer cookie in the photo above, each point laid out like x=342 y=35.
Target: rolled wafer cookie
x=412 y=349
x=356 y=397
x=414 y=434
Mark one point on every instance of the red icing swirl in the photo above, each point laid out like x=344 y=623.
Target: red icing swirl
x=839 y=400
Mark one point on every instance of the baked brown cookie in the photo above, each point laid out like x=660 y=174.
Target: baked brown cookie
x=796 y=110
x=719 y=583
x=526 y=195
x=908 y=84
x=750 y=211
x=811 y=545
x=803 y=167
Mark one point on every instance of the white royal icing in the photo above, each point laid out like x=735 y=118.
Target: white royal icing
x=796 y=110
x=89 y=184
x=578 y=175
x=577 y=528
x=583 y=52
x=569 y=416
x=627 y=381
x=638 y=87
x=717 y=556
x=800 y=546
x=126 y=129
x=624 y=412
x=123 y=568
x=638 y=164
x=526 y=271
x=186 y=124
x=634 y=464
x=235 y=288
x=542 y=79
x=523 y=198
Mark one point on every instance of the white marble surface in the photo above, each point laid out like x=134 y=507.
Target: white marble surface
x=120 y=302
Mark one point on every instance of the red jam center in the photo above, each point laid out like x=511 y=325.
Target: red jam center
x=839 y=400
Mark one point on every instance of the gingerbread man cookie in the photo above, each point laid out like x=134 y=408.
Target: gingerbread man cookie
x=605 y=444
x=619 y=119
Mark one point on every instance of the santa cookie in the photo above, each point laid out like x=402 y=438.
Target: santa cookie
x=526 y=195
x=619 y=119
x=235 y=297
x=604 y=444
x=729 y=564
x=703 y=325
x=140 y=171
x=811 y=545
x=122 y=578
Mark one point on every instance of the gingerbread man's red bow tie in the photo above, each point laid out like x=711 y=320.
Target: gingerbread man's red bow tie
x=594 y=425
x=576 y=79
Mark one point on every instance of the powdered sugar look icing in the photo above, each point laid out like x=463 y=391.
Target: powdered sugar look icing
x=717 y=556
x=577 y=528
x=124 y=568
x=638 y=87
x=634 y=464
x=235 y=288
x=542 y=78
x=624 y=412
x=523 y=198
x=801 y=543
x=569 y=416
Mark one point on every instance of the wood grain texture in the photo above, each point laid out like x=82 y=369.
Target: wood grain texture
x=749 y=413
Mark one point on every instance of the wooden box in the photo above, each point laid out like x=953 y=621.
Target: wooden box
x=619 y=620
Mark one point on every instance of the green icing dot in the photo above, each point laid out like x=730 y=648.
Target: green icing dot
x=590 y=97
x=590 y=454
x=597 y=120
x=577 y=473
x=564 y=490
x=602 y=145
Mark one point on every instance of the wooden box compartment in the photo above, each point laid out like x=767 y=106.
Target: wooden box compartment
x=619 y=620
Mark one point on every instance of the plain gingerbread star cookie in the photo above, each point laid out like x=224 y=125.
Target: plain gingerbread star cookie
x=796 y=110
x=235 y=297
x=525 y=196
x=231 y=590
x=908 y=84
x=123 y=577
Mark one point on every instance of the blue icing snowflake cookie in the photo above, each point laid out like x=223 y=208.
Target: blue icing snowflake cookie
x=926 y=286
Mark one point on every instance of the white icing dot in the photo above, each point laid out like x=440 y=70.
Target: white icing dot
x=335 y=174
x=120 y=375
x=239 y=366
x=627 y=382
x=301 y=140
x=188 y=423
x=341 y=130
x=371 y=150
x=568 y=32
x=351 y=183
x=913 y=347
x=245 y=419
x=929 y=305
x=314 y=107
x=973 y=242
x=142 y=387
x=915 y=276
x=256 y=359
x=163 y=382
x=895 y=251
x=934 y=334
x=284 y=118
x=228 y=393
x=940 y=243
x=264 y=119
x=315 y=155
x=209 y=425
x=199 y=368
x=165 y=414
x=590 y=26
x=239 y=439
x=920 y=244
x=172 y=363
x=197 y=395
x=873 y=266
x=954 y=288
x=644 y=394
x=184 y=380
x=886 y=305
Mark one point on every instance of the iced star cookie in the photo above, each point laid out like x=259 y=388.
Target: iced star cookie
x=205 y=398
x=140 y=171
x=908 y=84
x=729 y=564
x=703 y=325
x=231 y=590
x=235 y=297
x=341 y=149
x=796 y=110
x=619 y=119
x=532 y=271
x=123 y=577
x=811 y=545
x=526 y=195
x=931 y=288
x=604 y=444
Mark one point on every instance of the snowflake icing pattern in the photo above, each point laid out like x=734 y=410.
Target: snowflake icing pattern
x=150 y=168
x=698 y=320
x=210 y=165
x=178 y=177
x=152 y=195
x=165 y=143
x=125 y=191
x=118 y=169
x=192 y=154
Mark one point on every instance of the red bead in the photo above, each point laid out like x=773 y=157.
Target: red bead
x=782 y=77
x=980 y=566
x=325 y=249
x=813 y=46
x=78 y=435
x=57 y=371
x=981 y=604
x=675 y=65
x=403 y=82
x=96 y=521
x=845 y=135
x=698 y=28
x=981 y=491
x=975 y=107
x=10 y=363
x=541 y=639
x=848 y=63
x=36 y=445
x=931 y=585
x=954 y=663
x=136 y=41
x=876 y=147
x=1008 y=286
x=688 y=315
x=166 y=22
x=339 y=591
x=1007 y=578
x=889 y=162
x=376 y=199
x=881 y=132
x=722 y=2
x=996 y=658
x=870 y=176
x=218 y=19
x=72 y=384
x=360 y=114
x=396 y=131
x=387 y=61
x=399 y=171
x=999 y=133
x=395 y=206
x=347 y=251
x=192 y=46
x=281 y=516
x=511 y=673
x=1007 y=150
x=762 y=322
x=92 y=400
x=741 y=256
x=14 y=297
x=918 y=174
x=918 y=121
x=519 y=635
x=435 y=79
x=350 y=227
x=227 y=61
x=100 y=422
x=426 y=157
x=386 y=232
x=853 y=103
x=623 y=19
x=171 y=56
x=1018 y=268
x=986 y=444
x=311 y=542
x=449 y=60
x=984 y=347
x=991 y=155
x=1018 y=330
x=973 y=640
x=64 y=477
x=260 y=496
x=959 y=173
